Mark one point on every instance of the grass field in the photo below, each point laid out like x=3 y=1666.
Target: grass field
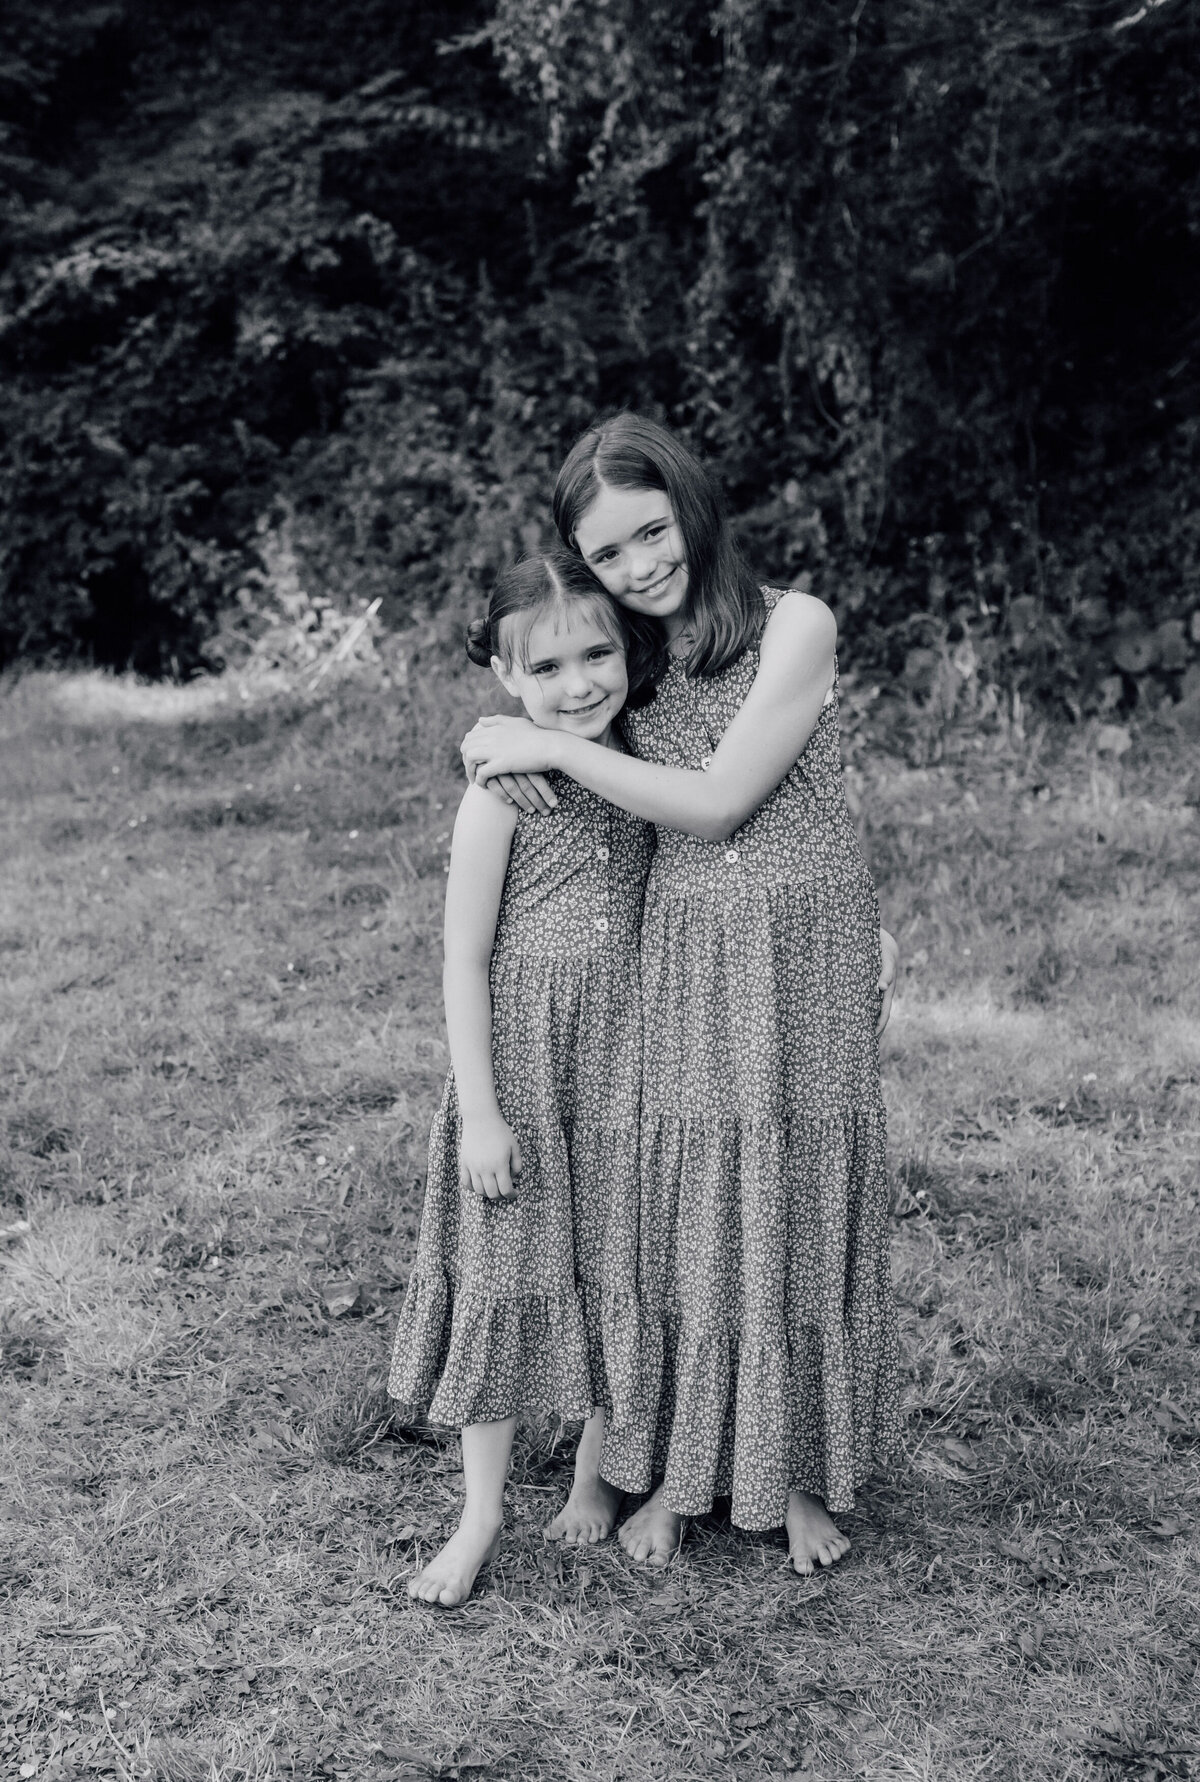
x=222 y=1042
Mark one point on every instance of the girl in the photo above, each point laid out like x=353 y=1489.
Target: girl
x=515 y=1298
x=768 y=1355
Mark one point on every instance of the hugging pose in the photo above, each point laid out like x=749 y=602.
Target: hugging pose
x=656 y=1195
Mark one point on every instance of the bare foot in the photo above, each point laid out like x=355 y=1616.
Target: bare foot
x=588 y=1514
x=652 y=1535
x=450 y=1576
x=813 y=1539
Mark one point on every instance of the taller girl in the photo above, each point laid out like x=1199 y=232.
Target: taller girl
x=768 y=1340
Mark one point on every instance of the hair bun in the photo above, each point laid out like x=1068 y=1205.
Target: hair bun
x=479 y=642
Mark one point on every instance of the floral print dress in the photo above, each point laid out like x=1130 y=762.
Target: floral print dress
x=528 y=1303
x=767 y=1353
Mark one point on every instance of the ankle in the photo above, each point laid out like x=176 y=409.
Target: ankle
x=591 y=1444
x=485 y=1518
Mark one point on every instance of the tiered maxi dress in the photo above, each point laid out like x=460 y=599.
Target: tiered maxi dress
x=514 y=1304
x=768 y=1354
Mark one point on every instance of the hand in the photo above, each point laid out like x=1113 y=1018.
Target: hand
x=528 y=791
x=890 y=954
x=500 y=746
x=489 y=1158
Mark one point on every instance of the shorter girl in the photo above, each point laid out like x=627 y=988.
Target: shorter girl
x=526 y=1261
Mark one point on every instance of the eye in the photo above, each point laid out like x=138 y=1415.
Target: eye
x=601 y=654
x=543 y=668
x=654 y=530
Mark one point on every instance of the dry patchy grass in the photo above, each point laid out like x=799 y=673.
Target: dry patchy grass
x=223 y=1042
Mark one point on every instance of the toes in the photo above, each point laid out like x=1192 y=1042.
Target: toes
x=649 y=1548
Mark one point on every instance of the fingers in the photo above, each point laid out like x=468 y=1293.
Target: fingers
x=885 y=1007
x=492 y=1184
x=529 y=792
x=490 y=1162
x=475 y=742
x=512 y=787
x=509 y=1170
x=889 y=961
x=537 y=789
x=889 y=952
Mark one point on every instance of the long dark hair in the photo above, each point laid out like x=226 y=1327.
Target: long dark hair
x=725 y=603
x=556 y=578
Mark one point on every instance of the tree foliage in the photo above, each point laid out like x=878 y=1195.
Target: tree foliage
x=921 y=279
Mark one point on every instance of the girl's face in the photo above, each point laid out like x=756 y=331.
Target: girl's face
x=572 y=677
x=629 y=538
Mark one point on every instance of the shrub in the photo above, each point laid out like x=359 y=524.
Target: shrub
x=922 y=283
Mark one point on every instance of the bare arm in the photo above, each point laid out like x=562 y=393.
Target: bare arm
x=479 y=853
x=760 y=746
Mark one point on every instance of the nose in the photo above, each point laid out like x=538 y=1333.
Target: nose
x=578 y=680
x=643 y=565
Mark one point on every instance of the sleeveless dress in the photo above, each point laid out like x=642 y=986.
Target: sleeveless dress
x=767 y=1348
x=513 y=1304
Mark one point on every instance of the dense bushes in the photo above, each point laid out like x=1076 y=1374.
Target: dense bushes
x=924 y=280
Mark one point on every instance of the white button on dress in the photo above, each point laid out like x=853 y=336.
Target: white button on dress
x=601 y=924
x=731 y=856
x=602 y=853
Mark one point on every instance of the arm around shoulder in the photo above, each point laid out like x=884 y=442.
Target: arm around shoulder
x=767 y=735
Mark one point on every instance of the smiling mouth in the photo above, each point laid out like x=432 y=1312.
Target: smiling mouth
x=581 y=711
x=656 y=587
